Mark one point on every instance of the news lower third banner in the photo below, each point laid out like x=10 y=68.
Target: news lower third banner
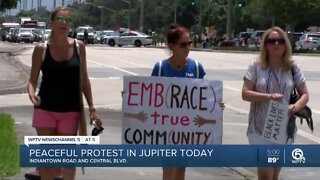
x=93 y=155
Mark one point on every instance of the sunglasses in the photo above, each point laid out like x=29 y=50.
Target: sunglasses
x=61 y=19
x=184 y=44
x=279 y=41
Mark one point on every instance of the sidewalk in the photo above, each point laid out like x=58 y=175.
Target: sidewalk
x=13 y=76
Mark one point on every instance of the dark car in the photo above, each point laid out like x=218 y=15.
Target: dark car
x=255 y=38
x=242 y=38
x=294 y=37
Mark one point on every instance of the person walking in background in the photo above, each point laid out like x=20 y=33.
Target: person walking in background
x=57 y=106
x=85 y=36
x=178 y=65
x=154 y=36
x=272 y=76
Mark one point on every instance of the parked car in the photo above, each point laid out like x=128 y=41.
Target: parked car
x=46 y=34
x=80 y=33
x=39 y=35
x=308 y=41
x=23 y=34
x=294 y=37
x=255 y=38
x=9 y=36
x=106 y=35
x=134 y=38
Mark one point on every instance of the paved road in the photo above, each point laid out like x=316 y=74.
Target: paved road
x=107 y=66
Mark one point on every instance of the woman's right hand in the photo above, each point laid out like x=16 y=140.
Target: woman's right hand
x=35 y=100
x=275 y=97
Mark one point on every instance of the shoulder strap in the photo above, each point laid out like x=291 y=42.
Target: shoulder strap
x=292 y=71
x=44 y=50
x=45 y=45
x=159 y=71
x=77 y=46
x=197 y=69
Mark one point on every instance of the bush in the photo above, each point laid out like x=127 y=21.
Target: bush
x=9 y=146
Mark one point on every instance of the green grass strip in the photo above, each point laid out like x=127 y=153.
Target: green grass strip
x=9 y=146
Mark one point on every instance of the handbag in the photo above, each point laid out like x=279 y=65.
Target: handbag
x=303 y=113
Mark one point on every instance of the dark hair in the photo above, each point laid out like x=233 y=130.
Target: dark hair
x=58 y=9
x=175 y=32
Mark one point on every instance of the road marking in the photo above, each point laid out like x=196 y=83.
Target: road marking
x=112 y=67
x=230 y=88
x=235 y=124
x=104 y=78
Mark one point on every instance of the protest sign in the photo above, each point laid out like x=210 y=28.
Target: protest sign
x=275 y=127
x=162 y=110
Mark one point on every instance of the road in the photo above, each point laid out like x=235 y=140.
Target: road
x=107 y=66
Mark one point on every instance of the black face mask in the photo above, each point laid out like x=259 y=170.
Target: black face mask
x=97 y=130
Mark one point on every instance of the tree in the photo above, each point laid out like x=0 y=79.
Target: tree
x=289 y=12
x=8 y=4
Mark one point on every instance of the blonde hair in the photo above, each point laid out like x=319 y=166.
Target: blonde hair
x=286 y=58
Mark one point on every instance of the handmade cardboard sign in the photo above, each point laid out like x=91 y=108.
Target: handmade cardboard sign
x=162 y=110
x=275 y=127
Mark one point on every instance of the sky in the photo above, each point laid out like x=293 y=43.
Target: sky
x=47 y=3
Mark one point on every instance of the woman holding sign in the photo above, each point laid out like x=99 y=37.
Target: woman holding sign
x=270 y=80
x=179 y=65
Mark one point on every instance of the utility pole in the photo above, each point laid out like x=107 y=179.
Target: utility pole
x=229 y=17
x=141 y=15
x=62 y=2
x=24 y=5
x=54 y=4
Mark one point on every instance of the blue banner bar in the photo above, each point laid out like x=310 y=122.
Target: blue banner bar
x=170 y=155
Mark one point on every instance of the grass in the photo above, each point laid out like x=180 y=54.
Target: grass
x=9 y=146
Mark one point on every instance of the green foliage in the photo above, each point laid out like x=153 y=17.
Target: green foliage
x=8 y=4
x=158 y=14
x=9 y=146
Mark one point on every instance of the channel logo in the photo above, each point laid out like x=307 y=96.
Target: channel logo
x=297 y=155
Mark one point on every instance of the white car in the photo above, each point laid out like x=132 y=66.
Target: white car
x=47 y=34
x=308 y=41
x=106 y=35
x=80 y=34
x=134 y=38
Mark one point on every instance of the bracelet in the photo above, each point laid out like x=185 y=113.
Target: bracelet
x=92 y=109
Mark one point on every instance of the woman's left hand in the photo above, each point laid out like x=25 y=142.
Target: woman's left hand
x=94 y=117
x=291 y=110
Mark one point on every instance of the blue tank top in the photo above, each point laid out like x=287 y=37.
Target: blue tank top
x=59 y=89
